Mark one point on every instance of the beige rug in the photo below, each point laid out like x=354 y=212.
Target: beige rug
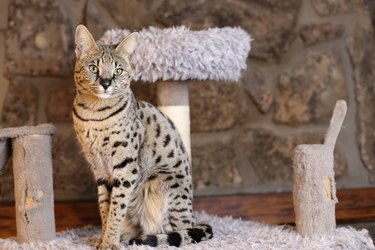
x=229 y=234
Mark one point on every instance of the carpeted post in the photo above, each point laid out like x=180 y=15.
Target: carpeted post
x=33 y=184
x=173 y=100
x=314 y=190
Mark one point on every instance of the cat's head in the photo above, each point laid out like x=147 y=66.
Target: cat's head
x=103 y=71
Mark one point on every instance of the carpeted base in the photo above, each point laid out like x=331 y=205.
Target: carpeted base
x=229 y=234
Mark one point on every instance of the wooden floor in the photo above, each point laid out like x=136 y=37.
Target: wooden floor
x=355 y=205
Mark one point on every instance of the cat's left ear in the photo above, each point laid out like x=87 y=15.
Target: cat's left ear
x=128 y=45
x=85 y=43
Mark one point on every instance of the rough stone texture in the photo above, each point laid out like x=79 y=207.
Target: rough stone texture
x=270 y=154
x=72 y=177
x=361 y=47
x=254 y=84
x=20 y=105
x=60 y=105
x=316 y=33
x=39 y=39
x=214 y=164
x=338 y=7
x=214 y=106
x=309 y=91
x=271 y=23
x=4 y=14
x=98 y=20
x=132 y=14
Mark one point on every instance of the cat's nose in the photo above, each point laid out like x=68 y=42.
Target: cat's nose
x=105 y=83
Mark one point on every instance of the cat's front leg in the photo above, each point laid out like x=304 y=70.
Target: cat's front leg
x=104 y=198
x=125 y=175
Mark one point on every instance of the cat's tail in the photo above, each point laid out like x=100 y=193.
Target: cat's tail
x=198 y=233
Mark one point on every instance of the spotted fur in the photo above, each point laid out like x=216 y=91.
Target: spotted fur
x=141 y=167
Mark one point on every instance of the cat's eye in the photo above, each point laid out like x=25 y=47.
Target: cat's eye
x=94 y=69
x=118 y=71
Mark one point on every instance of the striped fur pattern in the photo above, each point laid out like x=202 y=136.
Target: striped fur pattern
x=140 y=164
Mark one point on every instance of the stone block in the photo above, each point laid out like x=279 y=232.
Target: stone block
x=132 y=15
x=20 y=104
x=361 y=48
x=214 y=106
x=314 y=33
x=308 y=92
x=60 y=105
x=39 y=39
x=271 y=23
x=270 y=154
x=98 y=20
x=259 y=91
x=338 y=7
x=214 y=164
x=73 y=180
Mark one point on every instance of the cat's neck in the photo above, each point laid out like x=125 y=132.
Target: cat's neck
x=94 y=102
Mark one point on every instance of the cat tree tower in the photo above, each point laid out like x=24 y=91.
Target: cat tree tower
x=177 y=55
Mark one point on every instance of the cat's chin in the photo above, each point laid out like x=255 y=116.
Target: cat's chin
x=104 y=96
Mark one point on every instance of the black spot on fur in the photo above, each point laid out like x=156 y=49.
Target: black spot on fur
x=168 y=178
x=196 y=234
x=134 y=171
x=122 y=205
x=186 y=221
x=135 y=134
x=184 y=197
x=148 y=120
x=116 y=182
x=167 y=139
x=152 y=177
x=106 y=138
x=154 y=117
x=158 y=159
x=182 y=147
x=177 y=164
x=176 y=185
x=150 y=240
x=174 y=239
x=126 y=184
x=125 y=162
x=180 y=176
x=171 y=123
x=157 y=130
x=141 y=115
x=171 y=154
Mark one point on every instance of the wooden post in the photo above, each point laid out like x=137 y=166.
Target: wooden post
x=173 y=100
x=33 y=184
x=314 y=190
x=4 y=152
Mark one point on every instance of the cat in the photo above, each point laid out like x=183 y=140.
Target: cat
x=141 y=167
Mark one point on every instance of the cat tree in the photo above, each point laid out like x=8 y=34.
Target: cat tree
x=177 y=55
x=30 y=148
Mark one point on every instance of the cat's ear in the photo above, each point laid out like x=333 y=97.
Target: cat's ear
x=85 y=43
x=127 y=46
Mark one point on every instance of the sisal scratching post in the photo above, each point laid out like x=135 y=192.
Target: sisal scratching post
x=33 y=184
x=314 y=190
x=177 y=55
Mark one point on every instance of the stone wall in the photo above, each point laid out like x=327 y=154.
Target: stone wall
x=306 y=54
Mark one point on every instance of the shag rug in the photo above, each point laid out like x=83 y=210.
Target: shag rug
x=229 y=234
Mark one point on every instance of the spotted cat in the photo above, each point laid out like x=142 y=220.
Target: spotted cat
x=140 y=164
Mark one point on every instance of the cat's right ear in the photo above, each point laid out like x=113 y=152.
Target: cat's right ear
x=85 y=43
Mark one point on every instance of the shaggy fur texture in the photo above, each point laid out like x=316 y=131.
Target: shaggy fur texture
x=230 y=234
x=180 y=54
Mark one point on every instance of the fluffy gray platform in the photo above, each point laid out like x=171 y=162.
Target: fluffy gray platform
x=229 y=234
x=180 y=54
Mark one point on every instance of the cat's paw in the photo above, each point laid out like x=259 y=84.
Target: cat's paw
x=107 y=246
